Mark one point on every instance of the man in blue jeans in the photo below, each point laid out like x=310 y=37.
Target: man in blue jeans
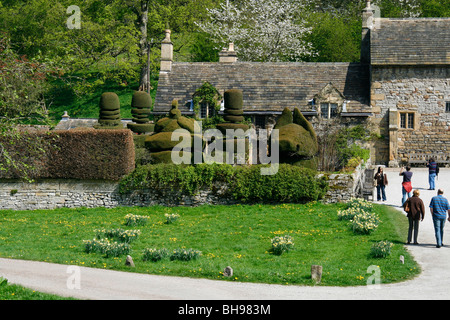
x=439 y=208
x=433 y=171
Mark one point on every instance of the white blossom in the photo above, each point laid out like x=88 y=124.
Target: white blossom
x=261 y=30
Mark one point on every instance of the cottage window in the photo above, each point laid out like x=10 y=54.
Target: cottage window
x=407 y=120
x=328 y=110
x=206 y=110
x=447 y=106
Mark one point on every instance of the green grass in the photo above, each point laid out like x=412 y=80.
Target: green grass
x=237 y=236
x=15 y=292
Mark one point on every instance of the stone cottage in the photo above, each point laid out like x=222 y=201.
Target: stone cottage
x=400 y=87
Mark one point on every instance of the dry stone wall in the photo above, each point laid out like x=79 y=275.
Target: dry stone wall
x=53 y=194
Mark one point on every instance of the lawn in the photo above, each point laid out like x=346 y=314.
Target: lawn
x=14 y=292
x=238 y=236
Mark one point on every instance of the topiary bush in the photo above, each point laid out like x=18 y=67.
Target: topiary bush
x=297 y=140
x=109 y=115
x=141 y=104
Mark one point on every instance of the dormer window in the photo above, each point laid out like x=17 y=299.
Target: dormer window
x=328 y=110
x=330 y=101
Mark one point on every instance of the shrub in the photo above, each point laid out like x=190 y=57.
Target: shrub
x=155 y=254
x=244 y=183
x=282 y=244
x=381 y=249
x=365 y=222
x=135 y=220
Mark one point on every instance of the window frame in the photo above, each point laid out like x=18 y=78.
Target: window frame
x=407 y=120
x=332 y=110
x=447 y=106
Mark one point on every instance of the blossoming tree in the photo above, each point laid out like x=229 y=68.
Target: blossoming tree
x=261 y=30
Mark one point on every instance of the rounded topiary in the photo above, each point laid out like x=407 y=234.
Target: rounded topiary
x=109 y=115
x=141 y=104
x=141 y=100
x=109 y=101
x=233 y=99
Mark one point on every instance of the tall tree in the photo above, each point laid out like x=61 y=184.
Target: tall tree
x=261 y=30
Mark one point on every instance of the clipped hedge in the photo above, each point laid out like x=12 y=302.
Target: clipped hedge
x=80 y=154
x=243 y=183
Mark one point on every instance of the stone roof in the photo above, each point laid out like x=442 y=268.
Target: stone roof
x=420 y=41
x=267 y=87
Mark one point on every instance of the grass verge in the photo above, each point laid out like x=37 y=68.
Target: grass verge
x=237 y=236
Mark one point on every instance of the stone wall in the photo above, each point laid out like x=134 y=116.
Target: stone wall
x=52 y=194
x=422 y=91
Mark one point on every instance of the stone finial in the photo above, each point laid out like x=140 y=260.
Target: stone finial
x=65 y=116
x=228 y=55
x=166 y=53
x=167 y=37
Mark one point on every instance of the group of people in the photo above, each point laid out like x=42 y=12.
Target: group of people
x=414 y=206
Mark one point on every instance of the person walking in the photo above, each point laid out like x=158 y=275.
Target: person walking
x=415 y=210
x=439 y=208
x=382 y=182
x=406 y=184
x=433 y=171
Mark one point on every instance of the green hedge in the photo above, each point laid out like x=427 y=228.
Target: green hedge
x=244 y=183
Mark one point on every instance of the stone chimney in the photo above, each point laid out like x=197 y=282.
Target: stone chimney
x=166 y=53
x=228 y=56
x=367 y=26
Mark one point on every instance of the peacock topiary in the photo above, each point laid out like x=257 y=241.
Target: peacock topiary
x=160 y=144
x=297 y=139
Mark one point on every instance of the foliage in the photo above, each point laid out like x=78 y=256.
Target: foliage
x=381 y=249
x=339 y=146
x=334 y=38
x=282 y=244
x=208 y=94
x=245 y=183
x=260 y=30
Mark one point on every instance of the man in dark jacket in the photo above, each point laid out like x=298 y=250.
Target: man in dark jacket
x=415 y=213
